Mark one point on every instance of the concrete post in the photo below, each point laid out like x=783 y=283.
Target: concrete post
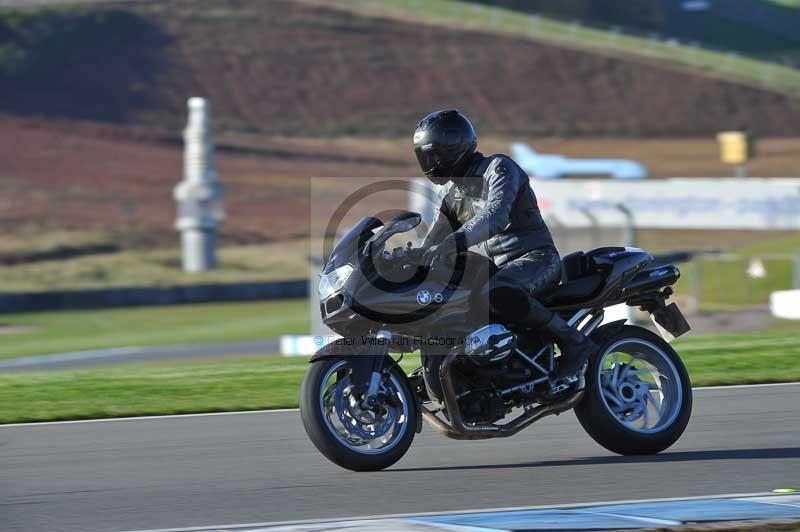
x=697 y=281
x=629 y=229
x=797 y=270
x=199 y=194
x=594 y=231
x=628 y=240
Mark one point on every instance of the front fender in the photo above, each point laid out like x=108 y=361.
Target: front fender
x=362 y=364
x=333 y=349
x=347 y=348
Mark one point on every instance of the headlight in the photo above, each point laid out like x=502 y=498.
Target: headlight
x=333 y=282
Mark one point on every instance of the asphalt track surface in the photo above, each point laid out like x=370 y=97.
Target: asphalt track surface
x=259 y=467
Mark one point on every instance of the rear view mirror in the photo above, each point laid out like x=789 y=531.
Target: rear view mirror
x=400 y=223
x=403 y=221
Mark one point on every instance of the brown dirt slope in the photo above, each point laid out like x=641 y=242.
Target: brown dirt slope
x=68 y=176
x=292 y=68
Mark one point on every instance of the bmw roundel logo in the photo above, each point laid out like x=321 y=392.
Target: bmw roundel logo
x=423 y=297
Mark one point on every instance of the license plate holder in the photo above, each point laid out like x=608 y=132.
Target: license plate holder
x=670 y=322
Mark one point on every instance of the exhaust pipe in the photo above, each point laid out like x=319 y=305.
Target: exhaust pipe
x=458 y=430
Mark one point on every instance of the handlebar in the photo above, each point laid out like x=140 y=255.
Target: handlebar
x=412 y=258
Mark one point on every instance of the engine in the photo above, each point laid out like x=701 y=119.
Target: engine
x=490 y=345
x=482 y=406
x=488 y=368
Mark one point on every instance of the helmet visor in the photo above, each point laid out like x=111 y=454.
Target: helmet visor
x=429 y=162
x=427 y=159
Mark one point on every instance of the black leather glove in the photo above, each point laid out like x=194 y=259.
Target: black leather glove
x=443 y=252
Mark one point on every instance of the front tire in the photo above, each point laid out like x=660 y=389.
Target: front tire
x=638 y=396
x=348 y=435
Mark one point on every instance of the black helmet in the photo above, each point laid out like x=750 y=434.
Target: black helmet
x=443 y=144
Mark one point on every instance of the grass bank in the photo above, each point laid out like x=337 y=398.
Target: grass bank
x=147 y=267
x=58 y=332
x=722 y=282
x=259 y=382
x=507 y=21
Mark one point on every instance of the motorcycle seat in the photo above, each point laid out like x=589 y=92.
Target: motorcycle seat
x=583 y=263
x=575 y=291
x=581 y=277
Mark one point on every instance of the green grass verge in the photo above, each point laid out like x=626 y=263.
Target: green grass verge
x=749 y=358
x=506 y=21
x=725 y=286
x=792 y=4
x=153 y=268
x=56 y=332
x=259 y=382
x=723 y=281
x=178 y=387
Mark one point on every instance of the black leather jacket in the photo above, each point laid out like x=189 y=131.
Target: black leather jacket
x=495 y=209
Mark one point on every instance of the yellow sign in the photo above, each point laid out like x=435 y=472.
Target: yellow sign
x=733 y=147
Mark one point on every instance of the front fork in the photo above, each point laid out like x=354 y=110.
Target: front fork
x=367 y=368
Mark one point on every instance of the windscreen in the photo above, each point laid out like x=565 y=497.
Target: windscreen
x=351 y=242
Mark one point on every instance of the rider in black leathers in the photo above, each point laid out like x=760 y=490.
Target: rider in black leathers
x=489 y=207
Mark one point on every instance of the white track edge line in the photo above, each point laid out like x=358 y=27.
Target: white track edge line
x=737 y=386
x=458 y=512
x=145 y=418
x=285 y=410
x=647 y=520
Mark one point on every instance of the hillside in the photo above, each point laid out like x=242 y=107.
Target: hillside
x=298 y=69
x=757 y=28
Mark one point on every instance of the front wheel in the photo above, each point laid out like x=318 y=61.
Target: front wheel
x=638 y=396
x=347 y=433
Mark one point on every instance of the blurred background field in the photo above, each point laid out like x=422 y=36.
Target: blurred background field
x=57 y=332
x=153 y=267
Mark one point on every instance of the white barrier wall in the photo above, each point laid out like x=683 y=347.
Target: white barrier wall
x=785 y=304
x=679 y=203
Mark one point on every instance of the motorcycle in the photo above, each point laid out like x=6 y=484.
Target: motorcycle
x=361 y=410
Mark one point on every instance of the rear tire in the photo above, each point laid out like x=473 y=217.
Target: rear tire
x=322 y=434
x=607 y=428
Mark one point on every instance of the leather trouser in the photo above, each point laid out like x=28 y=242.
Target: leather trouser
x=512 y=293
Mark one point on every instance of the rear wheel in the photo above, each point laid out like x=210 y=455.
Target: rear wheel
x=349 y=434
x=638 y=396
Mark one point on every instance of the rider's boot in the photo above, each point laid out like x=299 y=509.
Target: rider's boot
x=575 y=346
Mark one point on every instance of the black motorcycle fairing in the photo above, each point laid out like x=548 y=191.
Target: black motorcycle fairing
x=651 y=279
x=402 y=304
x=352 y=241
